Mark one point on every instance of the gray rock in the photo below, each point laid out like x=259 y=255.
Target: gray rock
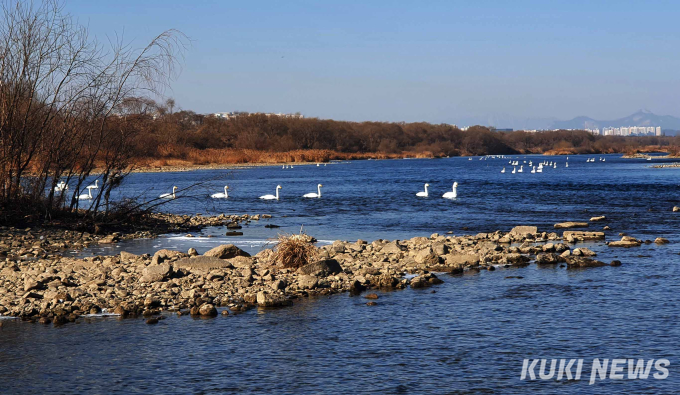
x=271 y=300
x=427 y=257
x=581 y=262
x=155 y=273
x=226 y=251
x=207 y=310
x=307 y=282
x=580 y=235
x=392 y=248
x=202 y=264
x=163 y=255
x=524 y=230
x=321 y=268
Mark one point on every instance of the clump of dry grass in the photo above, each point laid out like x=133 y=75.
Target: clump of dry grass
x=294 y=250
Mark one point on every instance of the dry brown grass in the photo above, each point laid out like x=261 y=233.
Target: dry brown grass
x=294 y=251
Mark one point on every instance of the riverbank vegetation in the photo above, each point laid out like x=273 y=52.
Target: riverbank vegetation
x=186 y=138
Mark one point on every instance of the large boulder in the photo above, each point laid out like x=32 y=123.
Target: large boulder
x=626 y=242
x=581 y=262
x=307 y=282
x=154 y=273
x=571 y=224
x=548 y=259
x=392 y=248
x=207 y=310
x=226 y=251
x=321 y=268
x=272 y=300
x=242 y=262
x=202 y=264
x=426 y=257
x=458 y=260
x=524 y=230
x=583 y=252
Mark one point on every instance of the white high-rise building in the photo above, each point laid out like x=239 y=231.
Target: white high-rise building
x=658 y=130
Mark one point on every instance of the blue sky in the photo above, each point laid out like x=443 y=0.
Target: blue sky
x=462 y=62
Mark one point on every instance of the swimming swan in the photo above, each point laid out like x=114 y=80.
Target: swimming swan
x=86 y=196
x=272 y=197
x=453 y=194
x=424 y=194
x=95 y=186
x=221 y=195
x=169 y=195
x=314 y=195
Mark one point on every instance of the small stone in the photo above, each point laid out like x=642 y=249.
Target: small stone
x=192 y=252
x=661 y=240
x=615 y=263
x=371 y=296
x=152 y=321
x=225 y=312
x=371 y=304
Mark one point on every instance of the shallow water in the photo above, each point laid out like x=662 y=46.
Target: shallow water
x=471 y=336
x=376 y=199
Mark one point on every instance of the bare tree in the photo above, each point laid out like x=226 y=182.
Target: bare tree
x=65 y=103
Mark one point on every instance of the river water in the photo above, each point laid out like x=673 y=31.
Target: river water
x=471 y=336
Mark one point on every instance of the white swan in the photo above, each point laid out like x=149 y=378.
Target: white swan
x=221 y=195
x=453 y=194
x=533 y=171
x=95 y=186
x=566 y=164
x=169 y=195
x=514 y=170
x=61 y=186
x=521 y=169
x=314 y=195
x=86 y=196
x=503 y=171
x=424 y=194
x=272 y=197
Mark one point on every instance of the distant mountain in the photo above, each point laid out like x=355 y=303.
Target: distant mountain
x=640 y=118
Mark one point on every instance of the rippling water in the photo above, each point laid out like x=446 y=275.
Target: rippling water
x=471 y=336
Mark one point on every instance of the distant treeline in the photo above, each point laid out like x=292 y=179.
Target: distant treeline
x=179 y=135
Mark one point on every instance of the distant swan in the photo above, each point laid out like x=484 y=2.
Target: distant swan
x=314 y=195
x=521 y=169
x=424 y=194
x=221 y=195
x=86 y=196
x=272 y=197
x=95 y=186
x=453 y=194
x=514 y=170
x=169 y=195
x=61 y=186
x=503 y=171
x=533 y=170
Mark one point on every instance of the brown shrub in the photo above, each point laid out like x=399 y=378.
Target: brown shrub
x=294 y=250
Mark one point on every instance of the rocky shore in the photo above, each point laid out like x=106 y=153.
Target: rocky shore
x=33 y=243
x=43 y=286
